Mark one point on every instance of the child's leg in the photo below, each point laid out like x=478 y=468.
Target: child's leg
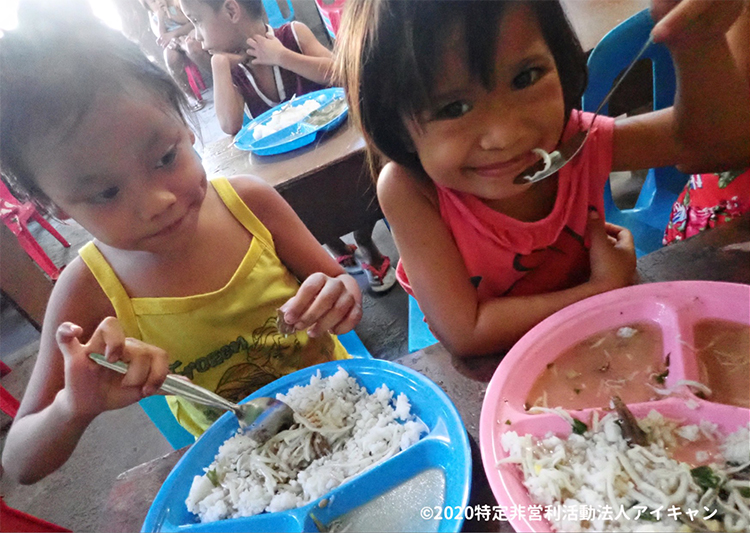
x=380 y=273
x=367 y=247
x=344 y=254
x=175 y=60
x=196 y=53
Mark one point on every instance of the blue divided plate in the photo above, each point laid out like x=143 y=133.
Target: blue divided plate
x=444 y=449
x=295 y=135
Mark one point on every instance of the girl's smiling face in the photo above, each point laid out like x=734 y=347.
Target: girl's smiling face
x=476 y=140
x=127 y=173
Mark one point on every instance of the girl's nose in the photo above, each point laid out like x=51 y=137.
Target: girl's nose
x=500 y=131
x=156 y=202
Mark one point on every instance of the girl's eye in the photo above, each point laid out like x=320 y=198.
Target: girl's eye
x=168 y=158
x=106 y=195
x=453 y=110
x=527 y=78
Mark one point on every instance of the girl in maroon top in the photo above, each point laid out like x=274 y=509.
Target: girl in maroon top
x=256 y=67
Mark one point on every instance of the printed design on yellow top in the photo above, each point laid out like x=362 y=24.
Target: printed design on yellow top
x=269 y=355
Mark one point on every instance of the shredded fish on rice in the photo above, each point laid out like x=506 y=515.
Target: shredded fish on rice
x=340 y=431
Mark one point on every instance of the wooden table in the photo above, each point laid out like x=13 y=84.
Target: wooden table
x=722 y=254
x=327 y=182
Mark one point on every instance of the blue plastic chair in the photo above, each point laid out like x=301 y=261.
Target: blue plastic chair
x=648 y=219
x=275 y=17
x=158 y=411
x=420 y=335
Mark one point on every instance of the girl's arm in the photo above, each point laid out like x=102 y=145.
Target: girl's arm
x=228 y=102
x=440 y=281
x=707 y=129
x=329 y=299
x=314 y=63
x=67 y=390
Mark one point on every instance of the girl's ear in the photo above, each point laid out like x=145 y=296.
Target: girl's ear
x=232 y=9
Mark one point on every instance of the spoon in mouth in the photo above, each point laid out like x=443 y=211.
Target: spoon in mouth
x=260 y=418
x=551 y=163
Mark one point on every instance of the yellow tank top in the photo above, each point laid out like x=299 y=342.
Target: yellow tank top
x=226 y=340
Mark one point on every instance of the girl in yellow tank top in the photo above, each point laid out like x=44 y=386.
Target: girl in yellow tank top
x=182 y=276
x=227 y=340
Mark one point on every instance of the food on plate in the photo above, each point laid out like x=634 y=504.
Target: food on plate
x=594 y=480
x=340 y=431
x=322 y=116
x=286 y=116
x=281 y=324
x=723 y=352
x=625 y=361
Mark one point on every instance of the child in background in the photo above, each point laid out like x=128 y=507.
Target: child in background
x=194 y=272
x=176 y=36
x=256 y=67
x=458 y=95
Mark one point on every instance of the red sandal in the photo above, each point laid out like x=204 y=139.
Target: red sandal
x=346 y=260
x=381 y=279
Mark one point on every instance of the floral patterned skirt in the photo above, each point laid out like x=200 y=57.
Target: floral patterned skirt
x=708 y=200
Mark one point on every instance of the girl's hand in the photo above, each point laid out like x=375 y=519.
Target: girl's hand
x=164 y=40
x=265 y=49
x=325 y=304
x=693 y=22
x=232 y=59
x=612 y=254
x=91 y=388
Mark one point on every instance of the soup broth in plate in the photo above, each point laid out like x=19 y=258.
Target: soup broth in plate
x=625 y=361
x=723 y=351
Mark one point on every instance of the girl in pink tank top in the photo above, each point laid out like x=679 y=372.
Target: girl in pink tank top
x=457 y=98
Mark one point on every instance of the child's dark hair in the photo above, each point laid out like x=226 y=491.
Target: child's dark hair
x=254 y=8
x=388 y=56
x=50 y=73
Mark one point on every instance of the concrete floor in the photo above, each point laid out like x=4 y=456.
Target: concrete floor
x=119 y=440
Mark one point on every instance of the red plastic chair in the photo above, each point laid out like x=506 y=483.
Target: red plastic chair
x=15 y=520
x=195 y=79
x=8 y=403
x=330 y=12
x=16 y=215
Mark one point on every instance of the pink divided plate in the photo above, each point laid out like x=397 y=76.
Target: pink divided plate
x=673 y=307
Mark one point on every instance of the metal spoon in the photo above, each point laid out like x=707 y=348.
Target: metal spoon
x=260 y=418
x=559 y=158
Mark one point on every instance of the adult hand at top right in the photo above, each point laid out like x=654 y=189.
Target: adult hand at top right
x=693 y=21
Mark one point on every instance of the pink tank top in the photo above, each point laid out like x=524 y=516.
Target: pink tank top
x=508 y=257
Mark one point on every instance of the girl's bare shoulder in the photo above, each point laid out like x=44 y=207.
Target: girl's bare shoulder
x=399 y=185
x=262 y=199
x=253 y=191
x=77 y=297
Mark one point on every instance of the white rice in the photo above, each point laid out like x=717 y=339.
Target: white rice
x=288 y=471
x=599 y=469
x=282 y=118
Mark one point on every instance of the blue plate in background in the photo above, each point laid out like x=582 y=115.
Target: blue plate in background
x=445 y=447
x=295 y=135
